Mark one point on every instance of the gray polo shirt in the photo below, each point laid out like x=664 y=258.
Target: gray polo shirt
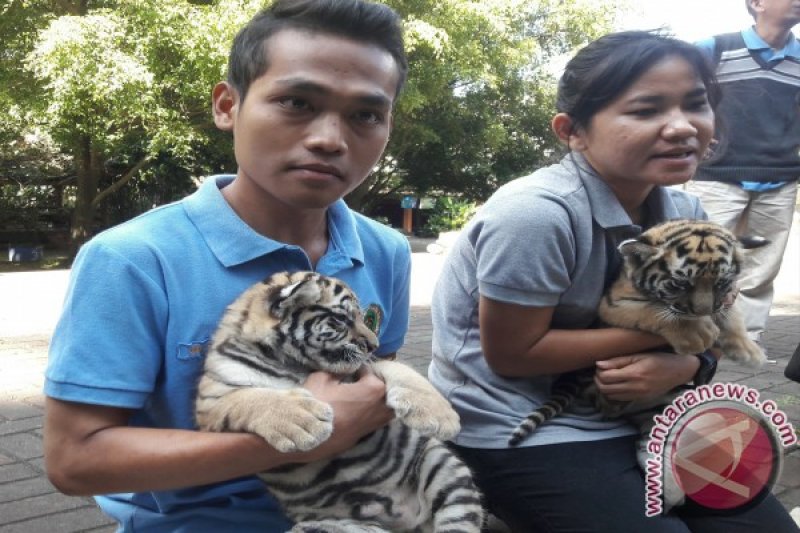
x=543 y=240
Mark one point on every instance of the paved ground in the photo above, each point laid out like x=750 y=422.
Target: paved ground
x=28 y=307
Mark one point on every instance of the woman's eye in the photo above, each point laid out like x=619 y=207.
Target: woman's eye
x=698 y=105
x=644 y=112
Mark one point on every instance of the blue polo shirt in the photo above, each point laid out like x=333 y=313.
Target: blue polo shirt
x=143 y=301
x=544 y=240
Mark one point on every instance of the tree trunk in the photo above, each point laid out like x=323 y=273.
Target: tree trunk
x=89 y=172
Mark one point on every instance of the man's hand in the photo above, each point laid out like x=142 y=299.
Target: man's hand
x=643 y=376
x=359 y=408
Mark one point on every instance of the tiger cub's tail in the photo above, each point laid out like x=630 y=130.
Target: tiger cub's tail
x=565 y=391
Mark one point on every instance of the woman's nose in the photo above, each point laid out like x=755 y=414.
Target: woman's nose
x=679 y=126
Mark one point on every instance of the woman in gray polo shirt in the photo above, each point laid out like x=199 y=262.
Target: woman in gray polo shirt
x=515 y=303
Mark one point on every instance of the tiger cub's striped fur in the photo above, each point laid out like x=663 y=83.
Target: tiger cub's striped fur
x=400 y=478
x=677 y=280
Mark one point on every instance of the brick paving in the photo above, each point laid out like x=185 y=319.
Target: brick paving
x=30 y=504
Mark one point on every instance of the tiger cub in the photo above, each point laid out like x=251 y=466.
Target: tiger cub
x=677 y=280
x=400 y=478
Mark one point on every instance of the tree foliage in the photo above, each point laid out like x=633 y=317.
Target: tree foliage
x=111 y=97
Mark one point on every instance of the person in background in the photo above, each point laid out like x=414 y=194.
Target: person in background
x=309 y=98
x=516 y=302
x=749 y=185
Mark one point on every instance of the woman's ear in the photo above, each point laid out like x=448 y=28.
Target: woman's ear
x=564 y=128
x=224 y=103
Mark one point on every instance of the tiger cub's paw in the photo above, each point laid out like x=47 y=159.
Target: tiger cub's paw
x=691 y=337
x=743 y=350
x=336 y=526
x=424 y=411
x=299 y=422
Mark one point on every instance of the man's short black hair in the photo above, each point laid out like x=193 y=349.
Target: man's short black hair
x=358 y=20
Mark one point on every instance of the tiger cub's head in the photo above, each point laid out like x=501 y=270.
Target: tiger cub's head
x=689 y=265
x=312 y=319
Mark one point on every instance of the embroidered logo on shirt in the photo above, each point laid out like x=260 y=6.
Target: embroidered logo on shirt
x=373 y=317
x=193 y=350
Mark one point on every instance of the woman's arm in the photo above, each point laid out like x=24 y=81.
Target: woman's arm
x=90 y=449
x=517 y=342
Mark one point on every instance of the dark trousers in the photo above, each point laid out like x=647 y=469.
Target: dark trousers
x=792 y=370
x=594 y=487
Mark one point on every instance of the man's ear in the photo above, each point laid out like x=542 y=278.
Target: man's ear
x=564 y=128
x=225 y=104
x=756 y=5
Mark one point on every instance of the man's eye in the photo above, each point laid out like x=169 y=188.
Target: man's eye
x=369 y=117
x=292 y=103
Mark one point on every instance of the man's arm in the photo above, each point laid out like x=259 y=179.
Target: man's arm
x=90 y=449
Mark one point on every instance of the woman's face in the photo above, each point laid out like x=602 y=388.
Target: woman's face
x=655 y=133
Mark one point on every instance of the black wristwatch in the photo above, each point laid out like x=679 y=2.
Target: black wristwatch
x=708 y=367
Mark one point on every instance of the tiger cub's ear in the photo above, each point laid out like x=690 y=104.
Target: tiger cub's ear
x=636 y=251
x=300 y=294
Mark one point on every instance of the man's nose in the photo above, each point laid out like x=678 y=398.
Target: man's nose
x=327 y=134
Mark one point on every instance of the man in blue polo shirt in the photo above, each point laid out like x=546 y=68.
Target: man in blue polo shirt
x=750 y=185
x=309 y=97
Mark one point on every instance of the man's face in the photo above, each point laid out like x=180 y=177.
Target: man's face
x=314 y=125
x=783 y=12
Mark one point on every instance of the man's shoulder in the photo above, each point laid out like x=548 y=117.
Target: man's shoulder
x=715 y=45
x=160 y=227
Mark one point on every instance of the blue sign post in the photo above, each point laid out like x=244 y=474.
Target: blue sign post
x=408 y=203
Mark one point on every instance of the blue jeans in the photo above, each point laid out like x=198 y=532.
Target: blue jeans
x=594 y=487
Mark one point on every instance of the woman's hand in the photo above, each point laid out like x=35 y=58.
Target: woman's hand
x=643 y=376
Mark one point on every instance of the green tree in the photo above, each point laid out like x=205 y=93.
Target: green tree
x=125 y=84
x=477 y=108
x=115 y=95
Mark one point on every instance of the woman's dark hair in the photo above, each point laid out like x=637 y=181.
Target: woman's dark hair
x=358 y=20
x=607 y=67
